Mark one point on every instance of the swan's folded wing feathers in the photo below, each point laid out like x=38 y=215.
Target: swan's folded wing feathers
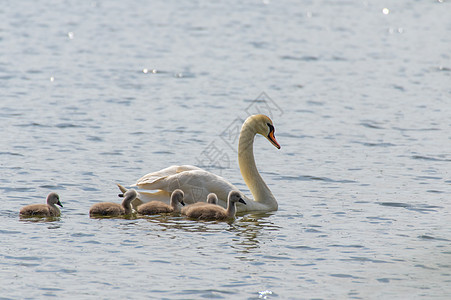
x=195 y=182
x=184 y=168
x=169 y=171
x=162 y=196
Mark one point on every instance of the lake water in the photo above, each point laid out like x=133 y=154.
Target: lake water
x=95 y=93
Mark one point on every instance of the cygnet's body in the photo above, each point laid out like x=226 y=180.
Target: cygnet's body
x=216 y=212
x=158 y=207
x=43 y=210
x=212 y=199
x=114 y=209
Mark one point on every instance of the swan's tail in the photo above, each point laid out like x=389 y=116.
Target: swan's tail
x=144 y=196
x=135 y=203
x=123 y=189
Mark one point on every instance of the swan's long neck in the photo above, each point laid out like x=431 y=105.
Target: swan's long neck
x=252 y=178
x=127 y=205
x=175 y=204
x=231 y=209
x=55 y=208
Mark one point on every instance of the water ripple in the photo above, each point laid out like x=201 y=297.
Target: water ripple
x=371 y=124
x=423 y=208
x=312 y=178
x=300 y=58
x=11 y=153
x=3 y=231
x=428 y=237
x=341 y=275
x=416 y=129
x=26 y=258
x=431 y=158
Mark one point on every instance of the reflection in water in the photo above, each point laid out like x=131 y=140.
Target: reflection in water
x=247 y=229
x=127 y=217
x=367 y=165
x=34 y=219
x=250 y=229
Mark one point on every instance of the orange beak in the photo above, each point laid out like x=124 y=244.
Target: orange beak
x=273 y=140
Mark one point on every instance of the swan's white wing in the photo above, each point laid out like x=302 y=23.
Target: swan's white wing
x=149 y=179
x=195 y=182
x=145 y=196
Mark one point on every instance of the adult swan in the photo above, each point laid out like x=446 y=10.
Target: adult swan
x=197 y=183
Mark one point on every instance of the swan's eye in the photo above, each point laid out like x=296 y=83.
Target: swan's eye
x=271 y=128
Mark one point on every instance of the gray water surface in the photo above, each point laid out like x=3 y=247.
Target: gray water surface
x=95 y=93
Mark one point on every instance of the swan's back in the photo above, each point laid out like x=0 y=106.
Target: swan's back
x=158 y=207
x=38 y=210
x=154 y=208
x=106 y=209
x=207 y=212
x=43 y=210
x=212 y=199
x=194 y=205
x=114 y=209
x=215 y=212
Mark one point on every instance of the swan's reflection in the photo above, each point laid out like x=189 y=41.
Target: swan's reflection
x=247 y=230
x=39 y=219
x=250 y=230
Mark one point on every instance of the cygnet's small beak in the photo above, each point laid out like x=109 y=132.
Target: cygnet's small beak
x=121 y=195
x=182 y=203
x=242 y=201
x=59 y=203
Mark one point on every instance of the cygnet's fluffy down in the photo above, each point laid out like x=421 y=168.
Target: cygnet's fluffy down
x=114 y=209
x=215 y=212
x=212 y=199
x=43 y=210
x=158 y=207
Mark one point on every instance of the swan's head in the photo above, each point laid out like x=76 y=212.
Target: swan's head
x=212 y=198
x=129 y=194
x=177 y=197
x=263 y=125
x=235 y=196
x=53 y=198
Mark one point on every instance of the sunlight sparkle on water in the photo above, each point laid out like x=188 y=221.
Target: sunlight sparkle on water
x=385 y=11
x=264 y=294
x=153 y=71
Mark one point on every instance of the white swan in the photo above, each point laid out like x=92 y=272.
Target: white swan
x=197 y=183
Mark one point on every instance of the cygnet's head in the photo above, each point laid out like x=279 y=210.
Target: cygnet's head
x=235 y=196
x=53 y=198
x=130 y=194
x=177 y=195
x=212 y=198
